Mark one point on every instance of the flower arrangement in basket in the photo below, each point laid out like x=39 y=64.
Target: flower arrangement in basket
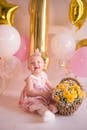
x=68 y=96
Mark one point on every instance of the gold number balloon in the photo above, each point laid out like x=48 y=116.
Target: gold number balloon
x=7 y=11
x=81 y=43
x=38 y=27
x=78 y=12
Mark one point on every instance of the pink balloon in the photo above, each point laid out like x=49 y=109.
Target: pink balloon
x=22 y=53
x=78 y=62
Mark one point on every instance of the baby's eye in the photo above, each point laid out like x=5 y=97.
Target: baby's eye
x=39 y=61
x=32 y=63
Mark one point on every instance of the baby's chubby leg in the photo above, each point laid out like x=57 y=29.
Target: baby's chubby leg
x=42 y=110
x=39 y=107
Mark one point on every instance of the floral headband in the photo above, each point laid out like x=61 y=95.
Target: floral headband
x=36 y=53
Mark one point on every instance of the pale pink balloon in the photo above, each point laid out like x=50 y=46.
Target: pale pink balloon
x=22 y=53
x=78 y=62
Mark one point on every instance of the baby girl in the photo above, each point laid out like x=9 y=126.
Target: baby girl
x=37 y=94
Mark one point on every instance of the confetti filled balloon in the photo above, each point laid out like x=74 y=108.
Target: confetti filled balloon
x=81 y=43
x=78 y=12
x=7 y=11
x=9 y=40
x=10 y=67
x=63 y=44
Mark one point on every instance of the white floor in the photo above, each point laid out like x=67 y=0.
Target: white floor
x=13 y=118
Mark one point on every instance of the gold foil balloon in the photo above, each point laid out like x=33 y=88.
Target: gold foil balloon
x=78 y=12
x=38 y=27
x=81 y=43
x=7 y=11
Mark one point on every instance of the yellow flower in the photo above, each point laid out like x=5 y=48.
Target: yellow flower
x=61 y=87
x=77 y=86
x=74 y=93
x=66 y=94
x=70 y=98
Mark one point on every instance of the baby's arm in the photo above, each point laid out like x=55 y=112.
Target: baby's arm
x=30 y=89
x=49 y=85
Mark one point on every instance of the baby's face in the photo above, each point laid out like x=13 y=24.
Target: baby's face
x=36 y=64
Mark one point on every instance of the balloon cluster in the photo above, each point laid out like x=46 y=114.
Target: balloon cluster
x=78 y=15
x=9 y=36
x=11 y=43
x=13 y=46
x=63 y=44
x=68 y=54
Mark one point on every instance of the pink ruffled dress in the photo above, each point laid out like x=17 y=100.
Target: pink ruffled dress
x=36 y=103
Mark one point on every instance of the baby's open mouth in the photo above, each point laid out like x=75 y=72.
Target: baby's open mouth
x=35 y=68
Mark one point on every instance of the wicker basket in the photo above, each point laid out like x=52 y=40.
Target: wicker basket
x=68 y=108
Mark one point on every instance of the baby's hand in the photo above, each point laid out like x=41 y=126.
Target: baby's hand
x=53 y=108
x=47 y=94
x=50 y=87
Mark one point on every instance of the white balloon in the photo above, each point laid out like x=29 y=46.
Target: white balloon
x=9 y=40
x=63 y=43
